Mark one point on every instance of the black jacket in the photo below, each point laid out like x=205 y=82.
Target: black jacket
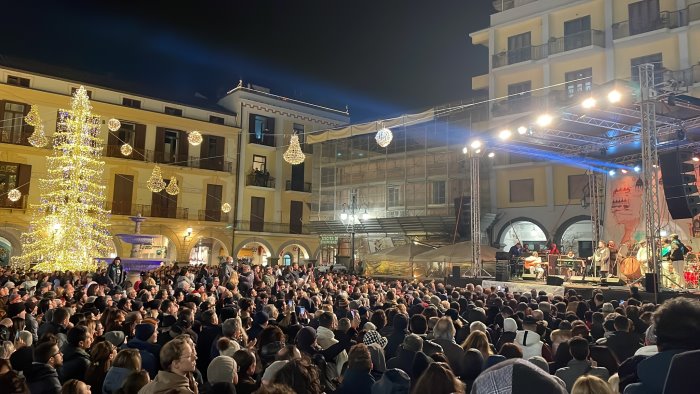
x=403 y=361
x=43 y=379
x=205 y=340
x=116 y=274
x=622 y=344
x=75 y=362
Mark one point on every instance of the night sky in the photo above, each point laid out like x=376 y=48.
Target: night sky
x=380 y=57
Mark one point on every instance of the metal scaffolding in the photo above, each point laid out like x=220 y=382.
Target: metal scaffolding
x=595 y=194
x=475 y=214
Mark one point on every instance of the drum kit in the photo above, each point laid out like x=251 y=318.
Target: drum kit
x=630 y=269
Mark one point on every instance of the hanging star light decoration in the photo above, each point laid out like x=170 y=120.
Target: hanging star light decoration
x=38 y=139
x=114 y=124
x=126 y=149
x=226 y=207
x=194 y=137
x=69 y=225
x=14 y=195
x=294 y=155
x=172 y=188
x=384 y=137
x=32 y=118
x=155 y=183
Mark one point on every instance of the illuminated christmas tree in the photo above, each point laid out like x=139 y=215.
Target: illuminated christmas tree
x=69 y=225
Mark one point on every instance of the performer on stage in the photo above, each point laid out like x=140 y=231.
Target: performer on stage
x=613 y=257
x=666 y=267
x=643 y=258
x=515 y=250
x=553 y=249
x=678 y=260
x=601 y=259
x=534 y=264
x=570 y=254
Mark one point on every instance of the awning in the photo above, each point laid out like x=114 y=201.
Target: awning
x=408 y=225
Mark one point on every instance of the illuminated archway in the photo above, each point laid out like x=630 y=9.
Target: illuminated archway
x=5 y=251
x=524 y=230
x=293 y=252
x=254 y=251
x=208 y=251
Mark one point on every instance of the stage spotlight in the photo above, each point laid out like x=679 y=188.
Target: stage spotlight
x=465 y=150
x=544 y=120
x=588 y=103
x=477 y=151
x=623 y=171
x=492 y=155
x=522 y=130
x=637 y=168
x=504 y=134
x=696 y=159
x=663 y=233
x=476 y=144
x=611 y=172
x=614 y=96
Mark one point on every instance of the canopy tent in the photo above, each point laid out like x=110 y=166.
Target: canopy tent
x=456 y=253
x=396 y=262
x=399 y=253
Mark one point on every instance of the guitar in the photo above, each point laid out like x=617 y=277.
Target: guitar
x=531 y=262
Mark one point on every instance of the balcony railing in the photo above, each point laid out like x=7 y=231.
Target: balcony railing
x=682 y=79
x=270 y=227
x=5 y=202
x=213 y=215
x=259 y=179
x=665 y=20
x=147 y=155
x=555 y=45
x=148 y=211
x=306 y=188
x=504 y=5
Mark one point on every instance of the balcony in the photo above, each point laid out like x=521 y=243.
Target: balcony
x=306 y=187
x=554 y=46
x=213 y=215
x=665 y=20
x=682 y=79
x=5 y=202
x=504 y=5
x=260 y=179
x=517 y=105
x=148 y=211
x=270 y=227
x=149 y=156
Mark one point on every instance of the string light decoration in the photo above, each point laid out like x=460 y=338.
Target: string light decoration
x=155 y=183
x=69 y=225
x=14 y=195
x=194 y=137
x=38 y=139
x=32 y=118
x=114 y=124
x=172 y=188
x=294 y=155
x=384 y=137
x=126 y=149
x=226 y=207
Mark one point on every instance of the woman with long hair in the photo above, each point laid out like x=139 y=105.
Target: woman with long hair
x=478 y=340
x=102 y=354
x=300 y=375
x=589 y=384
x=126 y=361
x=75 y=386
x=438 y=379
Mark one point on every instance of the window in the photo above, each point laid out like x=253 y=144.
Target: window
x=522 y=190
x=12 y=122
x=127 y=134
x=172 y=111
x=170 y=146
x=299 y=129
x=216 y=119
x=259 y=163
x=393 y=195
x=261 y=130
x=18 y=81
x=644 y=16
x=519 y=48
x=89 y=92
x=129 y=102
x=655 y=59
x=123 y=194
x=578 y=185
x=577 y=33
x=519 y=96
x=438 y=193
x=578 y=81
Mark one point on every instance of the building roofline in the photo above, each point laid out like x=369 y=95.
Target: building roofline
x=287 y=99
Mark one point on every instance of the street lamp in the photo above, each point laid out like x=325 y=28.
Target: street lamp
x=350 y=214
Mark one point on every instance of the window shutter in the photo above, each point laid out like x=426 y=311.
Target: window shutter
x=183 y=149
x=160 y=141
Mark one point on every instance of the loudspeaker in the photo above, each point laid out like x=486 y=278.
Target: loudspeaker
x=679 y=185
x=502 y=256
x=612 y=281
x=651 y=282
x=529 y=277
x=555 y=280
x=456 y=271
x=502 y=270
x=587 y=279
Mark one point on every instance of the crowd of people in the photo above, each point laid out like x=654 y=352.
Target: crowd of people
x=242 y=329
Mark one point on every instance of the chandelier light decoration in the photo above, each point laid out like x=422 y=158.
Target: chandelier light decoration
x=384 y=137
x=38 y=139
x=226 y=207
x=14 y=195
x=294 y=155
x=32 y=118
x=194 y=137
x=69 y=225
x=172 y=188
x=114 y=124
x=156 y=183
x=126 y=149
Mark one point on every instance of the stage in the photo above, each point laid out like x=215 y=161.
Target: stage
x=582 y=289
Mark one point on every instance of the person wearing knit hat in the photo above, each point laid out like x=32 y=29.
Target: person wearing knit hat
x=271 y=371
x=15 y=309
x=145 y=342
x=608 y=308
x=516 y=376
x=222 y=369
x=116 y=338
x=373 y=336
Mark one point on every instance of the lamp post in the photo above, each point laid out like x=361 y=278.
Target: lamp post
x=350 y=216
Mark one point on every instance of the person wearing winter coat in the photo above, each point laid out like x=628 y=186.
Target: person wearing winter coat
x=42 y=377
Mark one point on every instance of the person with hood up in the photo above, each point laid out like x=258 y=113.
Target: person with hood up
x=178 y=361
x=42 y=377
x=394 y=381
x=516 y=376
x=510 y=327
x=400 y=324
x=530 y=342
x=145 y=343
x=376 y=343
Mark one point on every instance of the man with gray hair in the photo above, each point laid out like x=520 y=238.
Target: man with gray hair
x=444 y=335
x=412 y=345
x=230 y=329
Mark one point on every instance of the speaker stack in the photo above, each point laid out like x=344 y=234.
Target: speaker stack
x=680 y=189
